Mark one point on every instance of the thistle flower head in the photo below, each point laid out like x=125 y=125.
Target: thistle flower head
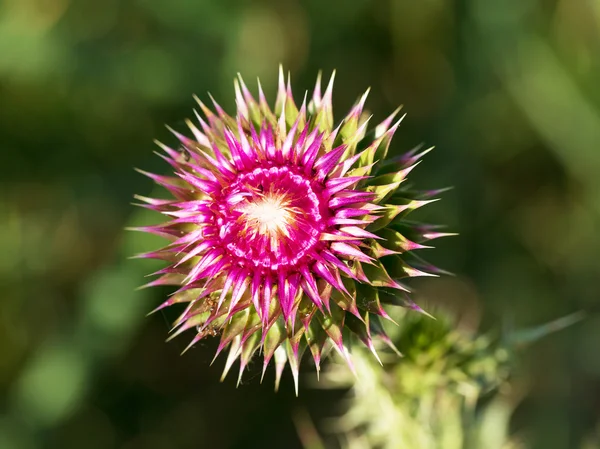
x=280 y=226
x=450 y=390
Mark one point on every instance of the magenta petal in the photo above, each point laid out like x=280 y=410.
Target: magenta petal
x=310 y=154
x=205 y=264
x=350 y=251
x=346 y=198
x=226 y=287
x=329 y=257
x=265 y=301
x=335 y=185
x=240 y=286
x=255 y=291
x=357 y=232
x=324 y=272
x=309 y=286
x=285 y=300
x=328 y=161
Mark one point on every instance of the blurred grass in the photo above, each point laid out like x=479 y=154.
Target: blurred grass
x=506 y=90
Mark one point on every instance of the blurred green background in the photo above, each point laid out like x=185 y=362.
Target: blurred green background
x=506 y=90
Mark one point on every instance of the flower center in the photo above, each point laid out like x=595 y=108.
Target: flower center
x=268 y=215
x=271 y=218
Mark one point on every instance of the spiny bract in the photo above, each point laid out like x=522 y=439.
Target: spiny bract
x=280 y=226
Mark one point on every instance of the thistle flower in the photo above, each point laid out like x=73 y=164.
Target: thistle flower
x=452 y=389
x=456 y=386
x=280 y=227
